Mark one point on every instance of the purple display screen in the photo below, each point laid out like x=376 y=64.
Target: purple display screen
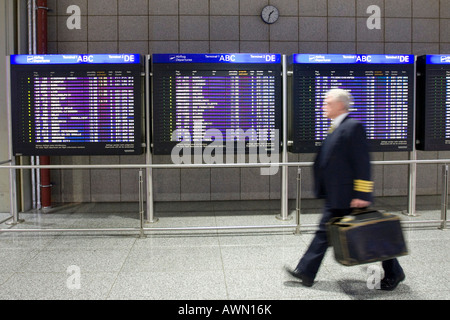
x=204 y=98
x=76 y=110
x=383 y=100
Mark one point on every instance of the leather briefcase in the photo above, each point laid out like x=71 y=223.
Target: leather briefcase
x=366 y=236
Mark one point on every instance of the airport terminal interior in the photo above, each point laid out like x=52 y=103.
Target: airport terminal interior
x=106 y=192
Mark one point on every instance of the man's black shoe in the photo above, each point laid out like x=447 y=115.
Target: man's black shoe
x=306 y=281
x=389 y=284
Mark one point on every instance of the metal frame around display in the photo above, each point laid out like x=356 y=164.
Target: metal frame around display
x=149 y=166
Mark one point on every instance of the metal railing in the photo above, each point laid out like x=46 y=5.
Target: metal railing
x=9 y=165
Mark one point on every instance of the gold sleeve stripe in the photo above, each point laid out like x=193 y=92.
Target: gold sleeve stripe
x=363 y=186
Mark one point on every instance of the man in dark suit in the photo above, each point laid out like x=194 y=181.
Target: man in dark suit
x=342 y=177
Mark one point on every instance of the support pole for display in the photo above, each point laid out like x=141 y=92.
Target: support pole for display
x=150 y=217
x=444 y=203
x=299 y=199
x=141 y=203
x=284 y=214
x=412 y=185
x=12 y=173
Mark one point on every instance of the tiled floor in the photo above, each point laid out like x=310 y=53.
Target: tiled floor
x=203 y=264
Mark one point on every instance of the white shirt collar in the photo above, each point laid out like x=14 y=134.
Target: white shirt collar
x=337 y=121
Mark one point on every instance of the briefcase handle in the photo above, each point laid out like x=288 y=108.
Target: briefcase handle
x=368 y=213
x=357 y=211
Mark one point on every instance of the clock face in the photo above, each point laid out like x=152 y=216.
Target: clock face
x=270 y=14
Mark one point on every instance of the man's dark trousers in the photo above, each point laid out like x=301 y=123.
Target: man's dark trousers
x=310 y=263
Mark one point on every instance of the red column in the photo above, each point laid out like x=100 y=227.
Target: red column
x=41 y=30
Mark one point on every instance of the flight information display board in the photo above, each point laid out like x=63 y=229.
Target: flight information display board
x=76 y=104
x=199 y=99
x=382 y=87
x=433 y=103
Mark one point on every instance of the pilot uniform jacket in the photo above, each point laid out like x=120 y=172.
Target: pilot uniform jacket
x=342 y=166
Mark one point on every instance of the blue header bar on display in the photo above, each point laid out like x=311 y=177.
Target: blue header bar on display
x=438 y=59
x=353 y=58
x=75 y=59
x=217 y=58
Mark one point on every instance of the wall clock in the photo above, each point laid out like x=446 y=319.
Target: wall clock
x=270 y=14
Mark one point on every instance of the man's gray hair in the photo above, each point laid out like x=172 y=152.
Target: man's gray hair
x=341 y=95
